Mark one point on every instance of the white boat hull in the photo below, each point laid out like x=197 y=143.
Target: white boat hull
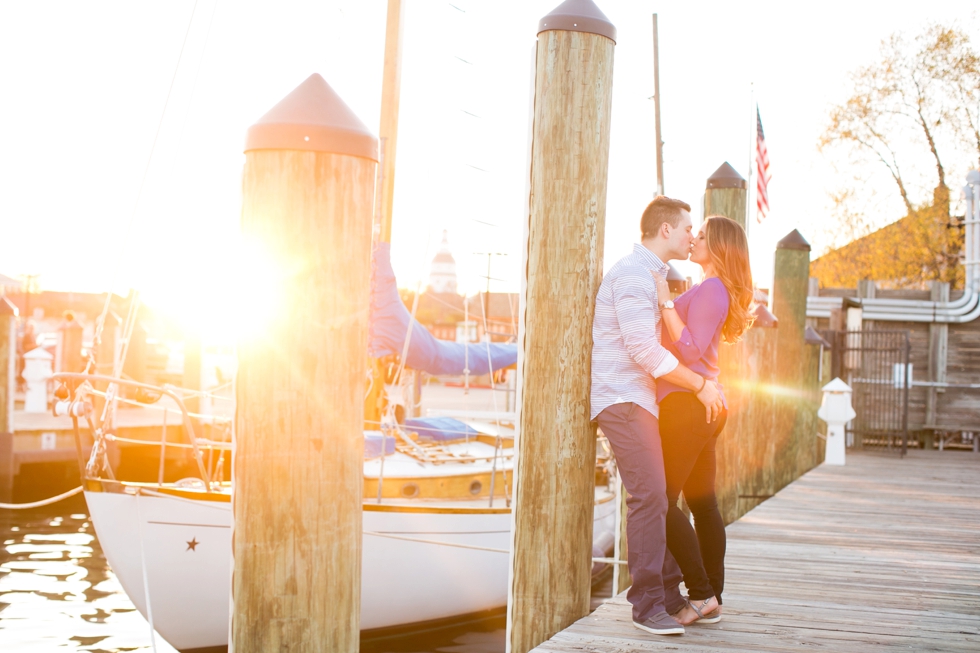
x=182 y=548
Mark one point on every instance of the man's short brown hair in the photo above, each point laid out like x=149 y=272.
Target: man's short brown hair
x=662 y=209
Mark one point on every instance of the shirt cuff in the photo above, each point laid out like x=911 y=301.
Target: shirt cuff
x=666 y=366
x=685 y=346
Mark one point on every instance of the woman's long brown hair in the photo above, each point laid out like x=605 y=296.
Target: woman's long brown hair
x=729 y=251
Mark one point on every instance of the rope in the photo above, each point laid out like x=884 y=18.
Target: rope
x=459 y=546
x=38 y=504
x=607 y=561
x=202 y=443
x=166 y=409
x=146 y=582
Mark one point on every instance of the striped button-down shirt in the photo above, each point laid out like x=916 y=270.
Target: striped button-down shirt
x=626 y=352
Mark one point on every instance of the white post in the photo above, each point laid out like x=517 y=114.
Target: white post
x=836 y=410
x=37 y=371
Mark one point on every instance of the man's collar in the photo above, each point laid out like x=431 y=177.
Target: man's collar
x=650 y=259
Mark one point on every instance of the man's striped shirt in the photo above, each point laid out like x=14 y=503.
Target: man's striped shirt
x=626 y=350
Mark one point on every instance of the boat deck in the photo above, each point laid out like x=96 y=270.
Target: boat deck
x=881 y=554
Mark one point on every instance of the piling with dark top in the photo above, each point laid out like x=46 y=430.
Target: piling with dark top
x=555 y=477
x=726 y=193
x=308 y=193
x=791 y=275
x=8 y=385
x=70 y=345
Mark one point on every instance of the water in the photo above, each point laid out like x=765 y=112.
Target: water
x=57 y=593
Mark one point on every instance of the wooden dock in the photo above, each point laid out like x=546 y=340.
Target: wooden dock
x=882 y=554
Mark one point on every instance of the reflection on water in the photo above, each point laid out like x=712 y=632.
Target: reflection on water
x=58 y=593
x=56 y=590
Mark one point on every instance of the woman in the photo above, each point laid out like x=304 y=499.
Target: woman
x=693 y=325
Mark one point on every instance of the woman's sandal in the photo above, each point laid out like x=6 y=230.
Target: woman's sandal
x=712 y=617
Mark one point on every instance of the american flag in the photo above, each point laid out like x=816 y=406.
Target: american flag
x=762 y=170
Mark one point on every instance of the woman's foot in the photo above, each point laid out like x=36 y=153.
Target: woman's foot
x=706 y=611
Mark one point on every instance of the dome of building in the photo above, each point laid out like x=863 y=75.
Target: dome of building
x=442 y=273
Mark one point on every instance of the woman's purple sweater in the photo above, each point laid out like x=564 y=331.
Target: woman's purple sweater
x=703 y=309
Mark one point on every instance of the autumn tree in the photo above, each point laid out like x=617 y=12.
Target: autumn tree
x=910 y=111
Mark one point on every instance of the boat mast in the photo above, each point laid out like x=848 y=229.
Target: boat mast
x=656 y=109
x=388 y=131
x=385 y=185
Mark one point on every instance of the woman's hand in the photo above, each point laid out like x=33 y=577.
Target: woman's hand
x=663 y=288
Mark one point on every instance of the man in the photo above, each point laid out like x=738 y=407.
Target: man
x=627 y=357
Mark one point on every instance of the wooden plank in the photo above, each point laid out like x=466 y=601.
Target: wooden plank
x=881 y=554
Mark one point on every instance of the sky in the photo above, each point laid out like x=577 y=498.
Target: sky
x=120 y=168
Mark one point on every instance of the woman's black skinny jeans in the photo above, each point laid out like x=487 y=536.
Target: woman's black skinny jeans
x=689 y=462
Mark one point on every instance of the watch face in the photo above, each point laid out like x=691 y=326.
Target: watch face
x=669 y=303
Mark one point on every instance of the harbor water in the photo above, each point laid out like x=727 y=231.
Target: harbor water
x=57 y=593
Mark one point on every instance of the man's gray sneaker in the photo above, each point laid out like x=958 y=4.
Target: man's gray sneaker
x=660 y=624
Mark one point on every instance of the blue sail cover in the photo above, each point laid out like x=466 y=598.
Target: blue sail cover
x=389 y=325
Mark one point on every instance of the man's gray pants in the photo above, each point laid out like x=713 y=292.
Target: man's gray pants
x=635 y=438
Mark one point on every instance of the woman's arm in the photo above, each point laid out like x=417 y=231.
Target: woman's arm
x=672 y=321
x=705 y=315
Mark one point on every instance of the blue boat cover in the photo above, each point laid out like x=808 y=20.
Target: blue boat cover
x=372 y=444
x=439 y=429
x=389 y=320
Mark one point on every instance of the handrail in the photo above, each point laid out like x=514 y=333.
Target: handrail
x=965 y=308
x=188 y=424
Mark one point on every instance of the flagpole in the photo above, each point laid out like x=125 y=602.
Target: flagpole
x=753 y=135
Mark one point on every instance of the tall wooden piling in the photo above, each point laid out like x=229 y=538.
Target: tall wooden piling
x=8 y=385
x=308 y=193
x=726 y=193
x=555 y=478
x=791 y=275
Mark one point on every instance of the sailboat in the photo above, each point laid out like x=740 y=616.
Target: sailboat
x=436 y=514
x=436 y=495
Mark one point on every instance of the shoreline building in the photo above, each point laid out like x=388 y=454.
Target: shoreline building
x=442 y=273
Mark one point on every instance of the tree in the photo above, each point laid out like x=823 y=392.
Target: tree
x=913 y=109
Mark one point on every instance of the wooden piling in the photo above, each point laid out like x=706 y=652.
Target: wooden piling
x=791 y=274
x=8 y=385
x=70 y=346
x=937 y=363
x=726 y=193
x=308 y=193
x=106 y=354
x=191 y=375
x=555 y=477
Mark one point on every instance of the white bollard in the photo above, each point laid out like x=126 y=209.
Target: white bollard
x=836 y=410
x=37 y=371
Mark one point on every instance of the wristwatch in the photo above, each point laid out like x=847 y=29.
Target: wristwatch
x=668 y=304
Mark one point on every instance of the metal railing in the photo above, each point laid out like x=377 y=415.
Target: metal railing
x=875 y=363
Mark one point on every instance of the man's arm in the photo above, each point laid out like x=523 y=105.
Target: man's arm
x=634 y=295
x=706 y=391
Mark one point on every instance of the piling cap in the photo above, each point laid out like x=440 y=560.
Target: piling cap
x=39 y=352
x=811 y=337
x=794 y=240
x=312 y=118
x=673 y=274
x=837 y=385
x=578 y=16
x=7 y=307
x=763 y=317
x=726 y=177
